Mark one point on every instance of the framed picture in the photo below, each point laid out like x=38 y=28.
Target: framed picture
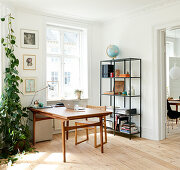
x=29 y=85
x=29 y=38
x=119 y=86
x=53 y=89
x=29 y=62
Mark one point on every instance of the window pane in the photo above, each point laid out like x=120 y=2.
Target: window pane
x=53 y=41
x=53 y=74
x=53 y=68
x=71 y=43
x=71 y=77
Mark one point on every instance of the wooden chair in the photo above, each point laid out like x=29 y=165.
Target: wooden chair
x=95 y=129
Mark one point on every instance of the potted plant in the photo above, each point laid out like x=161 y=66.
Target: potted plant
x=14 y=127
x=78 y=93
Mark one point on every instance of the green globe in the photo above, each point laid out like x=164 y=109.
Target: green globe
x=112 y=51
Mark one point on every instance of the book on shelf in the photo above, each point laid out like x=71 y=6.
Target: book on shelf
x=129 y=127
x=119 y=121
x=109 y=92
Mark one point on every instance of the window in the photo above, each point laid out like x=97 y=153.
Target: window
x=66 y=62
x=169 y=49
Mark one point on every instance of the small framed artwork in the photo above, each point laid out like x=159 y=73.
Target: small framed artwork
x=29 y=85
x=29 y=38
x=119 y=86
x=29 y=62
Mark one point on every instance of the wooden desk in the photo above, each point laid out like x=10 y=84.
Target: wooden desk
x=175 y=102
x=65 y=115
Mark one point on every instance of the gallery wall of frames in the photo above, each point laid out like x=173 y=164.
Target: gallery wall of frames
x=29 y=40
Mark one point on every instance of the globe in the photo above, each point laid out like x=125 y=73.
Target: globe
x=112 y=51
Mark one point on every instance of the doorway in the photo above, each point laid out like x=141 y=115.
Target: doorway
x=172 y=46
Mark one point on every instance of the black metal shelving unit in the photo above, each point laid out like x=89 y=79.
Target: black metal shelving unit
x=127 y=66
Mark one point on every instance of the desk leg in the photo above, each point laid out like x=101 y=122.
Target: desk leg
x=67 y=124
x=63 y=140
x=34 y=126
x=101 y=134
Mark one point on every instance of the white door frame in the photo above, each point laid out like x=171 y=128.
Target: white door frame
x=159 y=61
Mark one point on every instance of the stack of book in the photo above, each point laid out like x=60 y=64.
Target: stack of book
x=125 y=111
x=122 y=111
x=125 y=128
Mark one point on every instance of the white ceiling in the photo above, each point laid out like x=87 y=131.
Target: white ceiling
x=96 y=10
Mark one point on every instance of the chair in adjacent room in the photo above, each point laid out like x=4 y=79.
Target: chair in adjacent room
x=85 y=122
x=172 y=114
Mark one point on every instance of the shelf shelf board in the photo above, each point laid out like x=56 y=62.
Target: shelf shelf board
x=122 y=132
x=121 y=77
x=125 y=115
x=120 y=95
x=121 y=60
x=128 y=133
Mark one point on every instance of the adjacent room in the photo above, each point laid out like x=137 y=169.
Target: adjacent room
x=89 y=84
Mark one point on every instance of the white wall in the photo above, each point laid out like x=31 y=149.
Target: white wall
x=34 y=21
x=135 y=38
x=31 y=22
x=133 y=35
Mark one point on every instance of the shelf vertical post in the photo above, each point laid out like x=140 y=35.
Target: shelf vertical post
x=140 y=99
x=100 y=82
x=124 y=82
x=111 y=89
x=114 y=98
x=130 y=95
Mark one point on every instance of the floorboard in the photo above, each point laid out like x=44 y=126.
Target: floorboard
x=119 y=153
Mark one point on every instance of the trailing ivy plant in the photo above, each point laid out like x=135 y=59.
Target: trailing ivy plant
x=14 y=129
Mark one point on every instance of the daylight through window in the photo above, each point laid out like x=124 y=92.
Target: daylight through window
x=66 y=62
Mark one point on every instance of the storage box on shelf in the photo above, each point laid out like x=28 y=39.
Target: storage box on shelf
x=121 y=119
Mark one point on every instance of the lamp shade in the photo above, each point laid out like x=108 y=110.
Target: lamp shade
x=174 y=72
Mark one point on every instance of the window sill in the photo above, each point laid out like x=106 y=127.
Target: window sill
x=57 y=100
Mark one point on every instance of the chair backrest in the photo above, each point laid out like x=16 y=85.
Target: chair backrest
x=96 y=107
x=168 y=106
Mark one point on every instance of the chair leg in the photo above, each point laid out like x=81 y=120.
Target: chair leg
x=75 y=135
x=87 y=134
x=95 y=137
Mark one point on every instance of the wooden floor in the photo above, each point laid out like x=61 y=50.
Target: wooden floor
x=119 y=153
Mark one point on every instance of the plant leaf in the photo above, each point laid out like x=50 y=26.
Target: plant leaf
x=2 y=19
x=2 y=40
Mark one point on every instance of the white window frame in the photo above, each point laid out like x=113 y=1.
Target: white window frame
x=82 y=72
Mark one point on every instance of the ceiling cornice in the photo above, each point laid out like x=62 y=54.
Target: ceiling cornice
x=160 y=4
